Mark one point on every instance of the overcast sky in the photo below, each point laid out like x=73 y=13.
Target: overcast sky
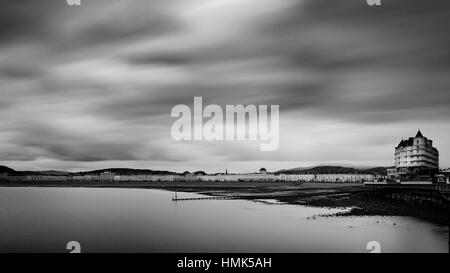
x=93 y=86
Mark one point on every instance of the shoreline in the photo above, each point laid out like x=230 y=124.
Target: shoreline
x=327 y=195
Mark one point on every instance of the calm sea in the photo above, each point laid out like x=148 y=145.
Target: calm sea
x=143 y=220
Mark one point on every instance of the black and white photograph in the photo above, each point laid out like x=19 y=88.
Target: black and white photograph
x=251 y=127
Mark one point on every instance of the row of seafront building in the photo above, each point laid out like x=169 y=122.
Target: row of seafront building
x=271 y=177
x=413 y=157
x=261 y=176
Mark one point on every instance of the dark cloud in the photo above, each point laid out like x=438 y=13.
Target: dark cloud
x=26 y=19
x=18 y=72
x=159 y=59
x=56 y=143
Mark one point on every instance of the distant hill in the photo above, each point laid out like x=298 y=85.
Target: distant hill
x=378 y=170
x=118 y=171
x=294 y=169
x=54 y=173
x=127 y=171
x=333 y=170
x=21 y=173
x=4 y=169
x=12 y=172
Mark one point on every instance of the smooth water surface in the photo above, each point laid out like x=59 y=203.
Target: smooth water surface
x=144 y=220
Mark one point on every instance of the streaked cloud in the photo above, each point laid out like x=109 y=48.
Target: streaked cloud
x=96 y=83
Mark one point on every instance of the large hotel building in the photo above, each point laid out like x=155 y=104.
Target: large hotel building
x=416 y=155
